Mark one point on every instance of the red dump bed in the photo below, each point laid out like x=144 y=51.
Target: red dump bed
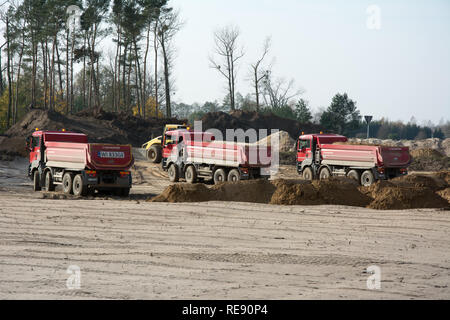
x=228 y=153
x=72 y=151
x=365 y=155
x=202 y=149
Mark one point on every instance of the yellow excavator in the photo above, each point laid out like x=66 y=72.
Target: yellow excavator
x=153 y=147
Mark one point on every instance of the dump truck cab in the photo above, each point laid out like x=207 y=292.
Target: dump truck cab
x=153 y=147
x=306 y=144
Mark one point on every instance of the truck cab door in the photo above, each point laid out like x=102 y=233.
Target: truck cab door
x=303 y=150
x=35 y=148
x=169 y=146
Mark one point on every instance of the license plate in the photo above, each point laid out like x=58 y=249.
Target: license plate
x=111 y=154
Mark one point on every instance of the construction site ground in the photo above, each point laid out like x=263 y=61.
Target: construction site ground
x=134 y=249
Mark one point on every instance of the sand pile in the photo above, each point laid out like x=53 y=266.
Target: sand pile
x=255 y=191
x=401 y=193
x=285 y=142
x=101 y=127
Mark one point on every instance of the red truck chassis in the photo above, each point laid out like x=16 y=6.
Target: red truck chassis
x=67 y=159
x=318 y=156
x=195 y=156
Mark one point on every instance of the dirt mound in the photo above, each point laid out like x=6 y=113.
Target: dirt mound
x=255 y=191
x=445 y=194
x=419 y=181
x=285 y=142
x=246 y=120
x=402 y=193
x=396 y=197
x=101 y=127
x=333 y=191
x=429 y=160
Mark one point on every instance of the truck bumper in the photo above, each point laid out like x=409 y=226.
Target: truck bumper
x=107 y=180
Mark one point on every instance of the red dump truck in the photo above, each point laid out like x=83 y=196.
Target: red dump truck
x=67 y=159
x=321 y=156
x=195 y=156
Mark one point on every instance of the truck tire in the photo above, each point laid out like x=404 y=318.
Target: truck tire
x=353 y=174
x=234 y=175
x=49 y=186
x=367 y=178
x=122 y=192
x=308 y=174
x=67 y=183
x=154 y=154
x=191 y=175
x=174 y=175
x=219 y=176
x=79 y=189
x=324 y=173
x=36 y=184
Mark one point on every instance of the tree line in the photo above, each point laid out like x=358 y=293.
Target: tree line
x=54 y=56
x=56 y=60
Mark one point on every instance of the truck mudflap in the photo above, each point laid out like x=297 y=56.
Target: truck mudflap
x=382 y=173
x=109 y=179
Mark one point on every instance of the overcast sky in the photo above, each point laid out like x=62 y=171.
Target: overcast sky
x=397 y=71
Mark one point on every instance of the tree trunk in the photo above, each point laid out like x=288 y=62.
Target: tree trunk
x=67 y=73
x=155 y=45
x=255 y=70
x=44 y=58
x=138 y=75
x=144 y=95
x=8 y=67
x=18 y=79
x=166 y=78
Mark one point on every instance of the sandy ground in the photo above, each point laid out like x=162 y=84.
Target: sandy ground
x=130 y=249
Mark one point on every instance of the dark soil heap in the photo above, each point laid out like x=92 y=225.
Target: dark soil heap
x=401 y=193
x=429 y=160
x=101 y=127
x=246 y=120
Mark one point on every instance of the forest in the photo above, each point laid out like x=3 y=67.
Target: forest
x=54 y=57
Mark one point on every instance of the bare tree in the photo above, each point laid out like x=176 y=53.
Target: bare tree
x=279 y=92
x=229 y=52
x=169 y=25
x=257 y=74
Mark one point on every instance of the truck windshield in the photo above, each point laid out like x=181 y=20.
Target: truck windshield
x=304 y=144
x=35 y=142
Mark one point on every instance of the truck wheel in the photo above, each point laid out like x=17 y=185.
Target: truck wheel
x=353 y=174
x=154 y=154
x=234 y=175
x=308 y=174
x=122 y=192
x=191 y=175
x=67 y=183
x=78 y=188
x=219 y=176
x=174 y=175
x=324 y=173
x=36 y=185
x=49 y=186
x=367 y=178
